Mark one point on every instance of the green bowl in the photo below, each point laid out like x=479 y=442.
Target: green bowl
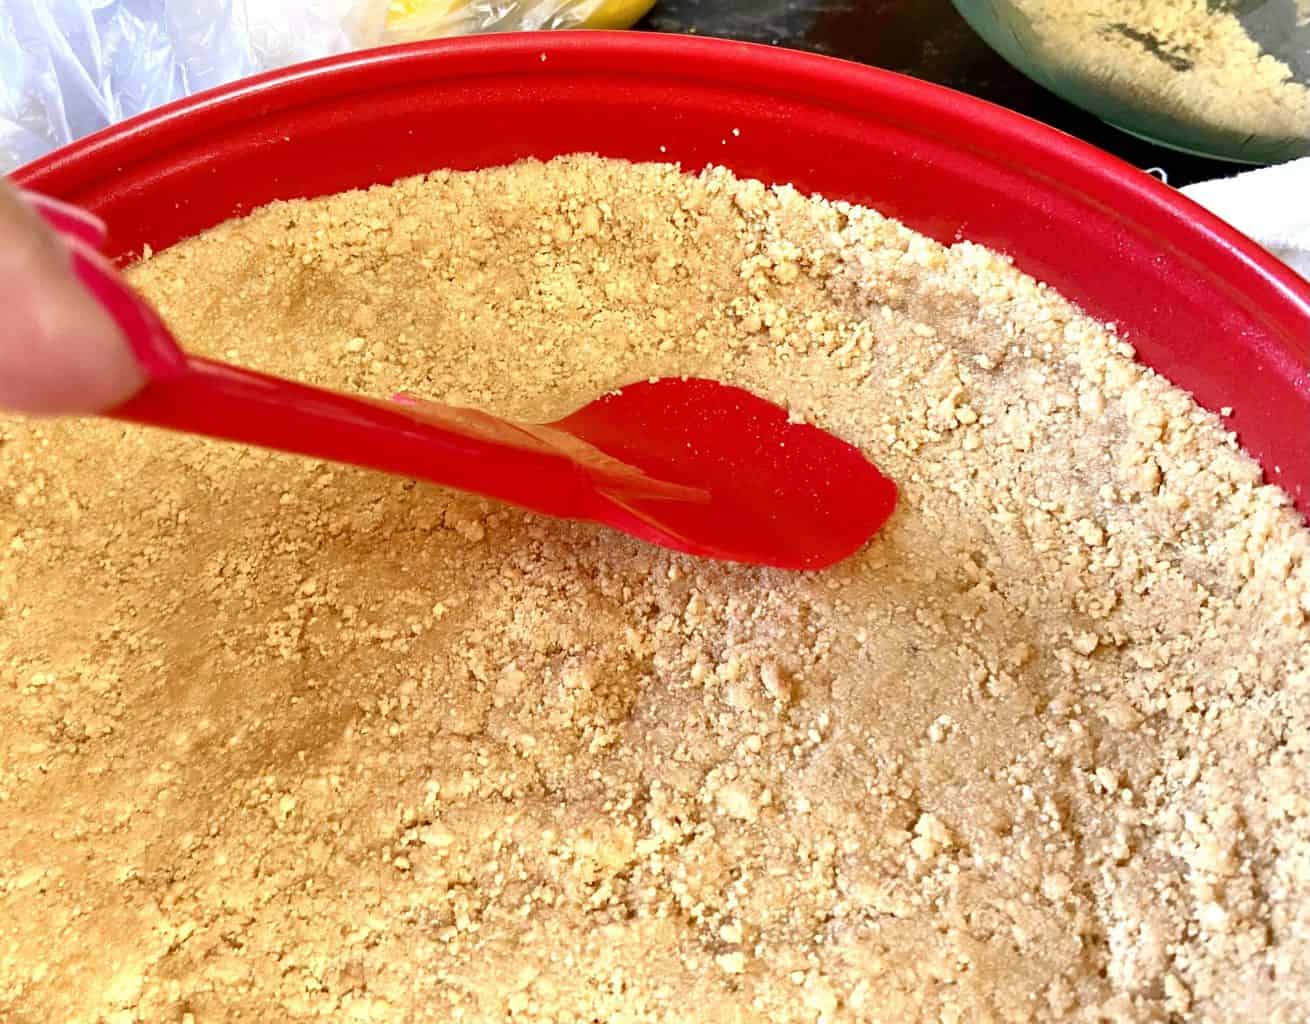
x=1221 y=78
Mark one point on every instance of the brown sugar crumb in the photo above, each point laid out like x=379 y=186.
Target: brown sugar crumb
x=290 y=741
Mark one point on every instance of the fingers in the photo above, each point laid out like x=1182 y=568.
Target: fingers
x=60 y=352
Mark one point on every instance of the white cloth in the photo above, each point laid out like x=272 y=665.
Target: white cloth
x=1271 y=205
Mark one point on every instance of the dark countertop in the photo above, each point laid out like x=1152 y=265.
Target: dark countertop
x=923 y=38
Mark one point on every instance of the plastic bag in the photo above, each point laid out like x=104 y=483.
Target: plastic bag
x=425 y=19
x=71 y=67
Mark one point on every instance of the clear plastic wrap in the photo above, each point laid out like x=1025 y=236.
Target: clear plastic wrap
x=70 y=67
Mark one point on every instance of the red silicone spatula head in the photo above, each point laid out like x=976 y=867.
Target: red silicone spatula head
x=780 y=493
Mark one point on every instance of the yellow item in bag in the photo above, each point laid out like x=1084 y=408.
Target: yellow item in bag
x=426 y=19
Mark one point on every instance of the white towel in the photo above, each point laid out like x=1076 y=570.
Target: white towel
x=1271 y=205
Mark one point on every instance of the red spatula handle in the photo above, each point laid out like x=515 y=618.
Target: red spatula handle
x=236 y=404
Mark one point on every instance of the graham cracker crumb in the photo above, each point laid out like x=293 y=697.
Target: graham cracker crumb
x=1218 y=69
x=286 y=741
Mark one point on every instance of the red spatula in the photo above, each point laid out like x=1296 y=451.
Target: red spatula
x=690 y=464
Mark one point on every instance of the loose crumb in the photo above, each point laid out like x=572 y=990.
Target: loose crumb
x=291 y=741
x=1192 y=63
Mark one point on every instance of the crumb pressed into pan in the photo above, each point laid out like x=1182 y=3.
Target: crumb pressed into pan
x=291 y=741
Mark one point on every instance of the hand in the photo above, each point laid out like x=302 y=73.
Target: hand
x=59 y=351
